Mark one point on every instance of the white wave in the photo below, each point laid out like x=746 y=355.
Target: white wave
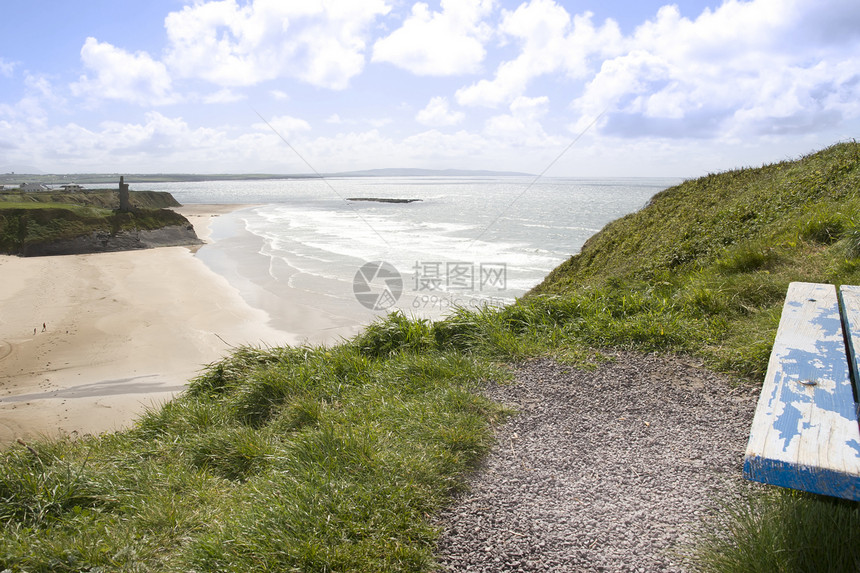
x=307 y=237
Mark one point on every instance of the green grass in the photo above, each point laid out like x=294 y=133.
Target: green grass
x=299 y=459
x=104 y=198
x=335 y=459
x=22 y=205
x=782 y=531
x=25 y=226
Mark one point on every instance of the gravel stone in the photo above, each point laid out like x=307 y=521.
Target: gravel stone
x=604 y=470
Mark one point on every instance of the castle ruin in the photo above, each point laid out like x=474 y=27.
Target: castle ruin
x=124 y=202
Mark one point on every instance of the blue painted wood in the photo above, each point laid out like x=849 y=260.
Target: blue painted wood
x=805 y=433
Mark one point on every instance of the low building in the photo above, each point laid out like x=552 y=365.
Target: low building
x=71 y=187
x=31 y=187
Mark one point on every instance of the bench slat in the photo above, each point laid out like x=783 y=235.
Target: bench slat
x=805 y=433
x=850 y=302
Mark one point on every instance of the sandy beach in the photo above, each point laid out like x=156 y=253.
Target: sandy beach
x=88 y=342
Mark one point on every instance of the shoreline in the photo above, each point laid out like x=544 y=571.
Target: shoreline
x=88 y=342
x=317 y=310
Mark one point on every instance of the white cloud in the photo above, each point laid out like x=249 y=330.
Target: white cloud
x=522 y=126
x=135 y=78
x=462 y=149
x=379 y=122
x=438 y=113
x=372 y=149
x=7 y=68
x=747 y=67
x=319 y=42
x=223 y=96
x=158 y=130
x=286 y=126
x=549 y=44
x=442 y=43
x=758 y=67
x=33 y=109
x=348 y=151
x=745 y=76
x=158 y=143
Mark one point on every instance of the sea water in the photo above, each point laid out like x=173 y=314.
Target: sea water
x=306 y=253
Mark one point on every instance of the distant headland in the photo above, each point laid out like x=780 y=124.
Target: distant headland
x=57 y=180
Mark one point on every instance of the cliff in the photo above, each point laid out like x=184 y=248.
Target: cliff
x=105 y=242
x=37 y=224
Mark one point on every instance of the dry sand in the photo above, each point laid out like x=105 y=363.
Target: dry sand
x=88 y=342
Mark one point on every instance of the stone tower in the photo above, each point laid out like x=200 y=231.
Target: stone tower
x=124 y=202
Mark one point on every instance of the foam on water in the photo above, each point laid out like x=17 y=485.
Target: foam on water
x=307 y=236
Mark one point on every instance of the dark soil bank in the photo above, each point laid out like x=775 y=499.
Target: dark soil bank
x=105 y=242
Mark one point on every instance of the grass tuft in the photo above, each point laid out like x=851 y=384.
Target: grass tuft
x=852 y=241
x=40 y=488
x=232 y=453
x=781 y=531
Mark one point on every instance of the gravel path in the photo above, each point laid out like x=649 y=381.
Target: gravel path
x=605 y=470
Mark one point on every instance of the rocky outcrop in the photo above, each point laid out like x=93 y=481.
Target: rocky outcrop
x=105 y=242
x=382 y=199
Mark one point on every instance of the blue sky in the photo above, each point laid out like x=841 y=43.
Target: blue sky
x=643 y=87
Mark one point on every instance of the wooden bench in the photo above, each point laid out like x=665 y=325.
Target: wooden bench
x=805 y=434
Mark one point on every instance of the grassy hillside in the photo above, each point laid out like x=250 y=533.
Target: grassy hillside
x=335 y=459
x=106 y=198
x=709 y=260
x=29 y=220
x=786 y=218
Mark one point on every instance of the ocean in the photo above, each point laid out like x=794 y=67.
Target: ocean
x=323 y=265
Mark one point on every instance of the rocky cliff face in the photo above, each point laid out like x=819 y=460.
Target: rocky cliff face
x=104 y=242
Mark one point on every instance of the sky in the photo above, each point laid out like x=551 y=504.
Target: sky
x=590 y=88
